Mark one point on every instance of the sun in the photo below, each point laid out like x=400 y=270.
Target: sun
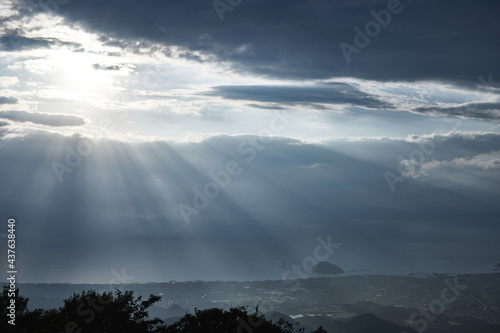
x=81 y=74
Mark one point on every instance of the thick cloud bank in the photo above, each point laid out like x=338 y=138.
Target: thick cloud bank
x=76 y=199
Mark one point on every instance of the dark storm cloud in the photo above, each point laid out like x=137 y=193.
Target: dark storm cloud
x=15 y=41
x=54 y=120
x=488 y=111
x=332 y=93
x=8 y=100
x=442 y=40
x=265 y=107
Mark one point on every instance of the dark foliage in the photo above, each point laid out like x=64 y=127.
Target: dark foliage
x=121 y=312
x=236 y=319
x=88 y=311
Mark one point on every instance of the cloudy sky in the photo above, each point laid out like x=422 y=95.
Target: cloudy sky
x=218 y=140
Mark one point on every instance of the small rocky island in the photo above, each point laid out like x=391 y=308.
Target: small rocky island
x=326 y=268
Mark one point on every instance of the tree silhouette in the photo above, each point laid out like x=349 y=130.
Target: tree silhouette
x=88 y=311
x=121 y=312
x=108 y=312
x=21 y=303
x=21 y=309
x=236 y=319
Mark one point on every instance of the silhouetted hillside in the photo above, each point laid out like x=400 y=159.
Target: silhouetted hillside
x=369 y=323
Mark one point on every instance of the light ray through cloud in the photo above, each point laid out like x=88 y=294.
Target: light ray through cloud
x=154 y=136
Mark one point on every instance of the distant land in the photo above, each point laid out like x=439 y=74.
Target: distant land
x=452 y=300
x=327 y=268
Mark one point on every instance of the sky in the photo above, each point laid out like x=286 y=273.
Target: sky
x=228 y=139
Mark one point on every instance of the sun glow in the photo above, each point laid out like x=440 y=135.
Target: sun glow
x=81 y=74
